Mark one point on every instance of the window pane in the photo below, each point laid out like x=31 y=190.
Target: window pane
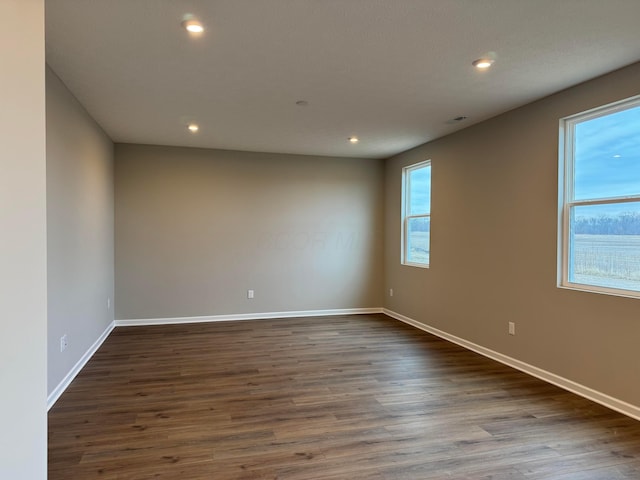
x=420 y=191
x=604 y=245
x=418 y=230
x=607 y=156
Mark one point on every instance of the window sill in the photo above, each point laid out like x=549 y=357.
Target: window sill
x=615 y=292
x=419 y=265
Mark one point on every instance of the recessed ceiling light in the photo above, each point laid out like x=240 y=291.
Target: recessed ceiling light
x=193 y=26
x=483 y=63
x=354 y=139
x=193 y=128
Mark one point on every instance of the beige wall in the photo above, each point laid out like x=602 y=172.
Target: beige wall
x=196 y=228
x=79 y=229
x=493 y=252
x=23 y=297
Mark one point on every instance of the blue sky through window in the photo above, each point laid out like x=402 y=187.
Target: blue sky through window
x=603 y=248
x=420 y=195
x=607 y=158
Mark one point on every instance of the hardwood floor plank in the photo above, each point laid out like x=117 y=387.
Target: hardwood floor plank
x=358 y=397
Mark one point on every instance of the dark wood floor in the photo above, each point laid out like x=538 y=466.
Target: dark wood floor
x=358 y=397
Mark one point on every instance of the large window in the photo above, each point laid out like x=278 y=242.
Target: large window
x=599 y=240
x=416 y=214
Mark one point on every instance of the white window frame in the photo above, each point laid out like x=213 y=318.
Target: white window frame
x=566 y=170
x=406 y=192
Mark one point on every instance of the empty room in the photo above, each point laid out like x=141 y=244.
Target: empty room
x=320 y=239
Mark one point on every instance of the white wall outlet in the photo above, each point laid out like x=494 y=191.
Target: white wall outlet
x=249 y=293
x=391 y=292
x=64 y=343
x=512 y=328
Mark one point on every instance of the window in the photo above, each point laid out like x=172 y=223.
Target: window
x=416 y=214
x=599 y=214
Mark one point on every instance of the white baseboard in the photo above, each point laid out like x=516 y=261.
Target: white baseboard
x=586 y=392
x=625 y=408
x=66 y=381
x=245 y=316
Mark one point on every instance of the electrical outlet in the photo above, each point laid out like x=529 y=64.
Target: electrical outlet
x=64 y=343
x=512 y=328
x=249 y=293
x=391 y=292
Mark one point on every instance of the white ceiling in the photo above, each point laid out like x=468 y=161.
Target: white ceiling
x=391 y=72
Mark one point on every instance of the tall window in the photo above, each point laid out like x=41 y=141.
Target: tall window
x=416 y=214
x=599 y=242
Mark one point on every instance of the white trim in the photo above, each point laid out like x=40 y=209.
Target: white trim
x=245 y=316
x=635 y=198
x=607 y=109
x=66 y=381
x=620 y=406
x=567 y=201
x=405 y=205
x=586 y=392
